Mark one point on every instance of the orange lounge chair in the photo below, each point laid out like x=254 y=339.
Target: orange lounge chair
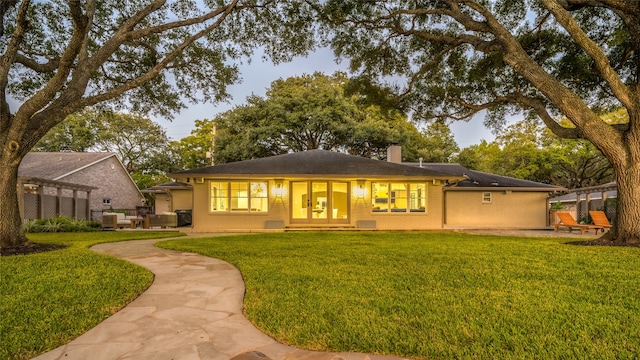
x=600 y=219
x=566 y=220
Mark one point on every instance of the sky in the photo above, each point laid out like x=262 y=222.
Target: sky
x=258 y=76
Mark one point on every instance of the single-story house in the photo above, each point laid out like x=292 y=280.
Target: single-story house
x=319 y=189
x=111 y=185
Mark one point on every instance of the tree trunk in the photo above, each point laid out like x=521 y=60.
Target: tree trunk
x=11 y=231
x=626 y=227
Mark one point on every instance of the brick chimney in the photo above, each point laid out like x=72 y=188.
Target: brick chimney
x=394 y=153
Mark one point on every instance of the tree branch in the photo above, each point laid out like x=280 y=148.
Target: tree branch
x=11 y=52
x=560 y=131
x=44 y=96
x=424 y=68
x=5 y=5
x=90 y=10
x=6 y=61
x=137 y=34
x=593 y=50
x=47 y=67
x=151 y=73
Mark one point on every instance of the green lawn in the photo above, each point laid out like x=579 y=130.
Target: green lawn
x=48 y=299
x=437 y=295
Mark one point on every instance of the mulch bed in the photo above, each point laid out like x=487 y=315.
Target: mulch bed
x=29 y=248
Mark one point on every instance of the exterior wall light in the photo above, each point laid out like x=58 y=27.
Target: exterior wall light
x=360 y=190
x=278 y=190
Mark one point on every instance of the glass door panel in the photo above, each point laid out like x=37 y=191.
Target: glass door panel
x=339 y=201
x=299 y=200
x=319 y=200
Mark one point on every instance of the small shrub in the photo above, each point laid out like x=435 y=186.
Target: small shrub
x=32 y=226
x=52 y=225
x=557 y=206
x=94 y=225
x=60 y=224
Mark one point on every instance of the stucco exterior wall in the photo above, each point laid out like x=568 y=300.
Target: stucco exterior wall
x=175 y=199
x=181 y=199
x=112 y=182
x=204 y=221
x=465 y=209
x=162 y=204
x=279 y=211
x=429 y=220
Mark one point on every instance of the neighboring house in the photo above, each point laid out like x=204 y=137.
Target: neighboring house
x=112 y=186
x=319 y=189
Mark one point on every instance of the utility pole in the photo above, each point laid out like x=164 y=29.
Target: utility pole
x=213 y=143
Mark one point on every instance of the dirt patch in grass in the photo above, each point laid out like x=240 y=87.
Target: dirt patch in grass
x=600 y=242
x=29 y=248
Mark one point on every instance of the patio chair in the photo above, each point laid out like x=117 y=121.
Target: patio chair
x=600 y=219
x=566 y=220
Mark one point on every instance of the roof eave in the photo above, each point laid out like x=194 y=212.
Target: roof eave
x=320 y=176
x=512 y=188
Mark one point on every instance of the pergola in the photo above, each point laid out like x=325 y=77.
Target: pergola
x=40 y=184
x=590 y=190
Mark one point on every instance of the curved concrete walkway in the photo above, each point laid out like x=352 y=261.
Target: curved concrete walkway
x=193 y=310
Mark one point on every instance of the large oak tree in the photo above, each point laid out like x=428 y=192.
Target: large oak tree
x=552 y=58
x=60 y=56
x=316 y=111
x=528 y=150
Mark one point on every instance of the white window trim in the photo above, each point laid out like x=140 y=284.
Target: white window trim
x=407 y=199
x=227 y=206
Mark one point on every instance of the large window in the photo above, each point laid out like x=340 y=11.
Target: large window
x=219 y=196
x=398 y=197
x=239 y=196
x=380 y=197
x=418 y=197
x=258 y=196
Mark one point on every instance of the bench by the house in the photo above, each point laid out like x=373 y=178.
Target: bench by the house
x=113 y=220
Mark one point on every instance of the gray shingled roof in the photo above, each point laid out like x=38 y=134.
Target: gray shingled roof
x=478 y=179
x=55 y=165
x=162 y=188
x=317 y=162
x=572 y=197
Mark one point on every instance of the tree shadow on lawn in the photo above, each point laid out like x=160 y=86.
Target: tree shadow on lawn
x=601 y=242
x=29 y=248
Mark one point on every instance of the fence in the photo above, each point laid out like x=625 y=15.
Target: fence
x=46 y=206
x=42 y=199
